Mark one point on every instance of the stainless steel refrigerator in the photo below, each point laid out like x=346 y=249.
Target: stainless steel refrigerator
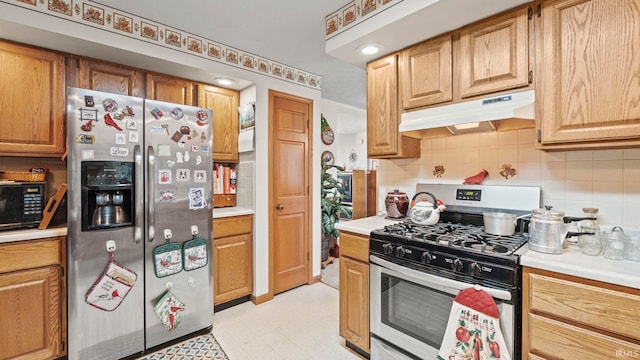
x=139 y=239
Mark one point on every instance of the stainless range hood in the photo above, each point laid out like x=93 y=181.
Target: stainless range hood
x=474 y=115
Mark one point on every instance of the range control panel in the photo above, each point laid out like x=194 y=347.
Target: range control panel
x=468 y=194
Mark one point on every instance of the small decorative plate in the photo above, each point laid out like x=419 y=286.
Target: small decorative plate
x=328 y=136
x=327 y=158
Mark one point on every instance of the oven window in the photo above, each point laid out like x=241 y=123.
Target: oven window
x=415 y=310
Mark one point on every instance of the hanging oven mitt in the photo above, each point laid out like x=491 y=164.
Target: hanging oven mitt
x=108 y=292
x=194 y=253
x=168 y=309
x=167 y=258
x=473 y=330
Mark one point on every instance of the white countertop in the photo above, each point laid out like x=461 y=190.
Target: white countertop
x=31 y=234
x=573 y=262
x=365 y=225
x=231 y=211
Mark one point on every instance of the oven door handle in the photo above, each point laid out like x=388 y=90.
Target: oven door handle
x=437 y=281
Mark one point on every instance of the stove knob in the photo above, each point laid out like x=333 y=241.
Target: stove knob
x=387 y=249
x=475 y=269
x=426 y=257
x=400 y=251
x=457 y=265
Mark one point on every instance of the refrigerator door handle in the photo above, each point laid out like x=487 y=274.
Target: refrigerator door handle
x=139 y=190
x=151 y=190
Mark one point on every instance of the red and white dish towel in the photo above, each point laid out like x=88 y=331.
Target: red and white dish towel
x=473 y=330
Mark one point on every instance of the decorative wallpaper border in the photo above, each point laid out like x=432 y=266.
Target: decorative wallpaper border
x=98 y=16
x=354 y=12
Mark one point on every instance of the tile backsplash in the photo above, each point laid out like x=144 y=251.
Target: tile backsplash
x=570 y=180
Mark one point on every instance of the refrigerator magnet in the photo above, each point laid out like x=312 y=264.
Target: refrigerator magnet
x=167 y=196
x=195 y=148
x=164 y=150
x=176 y=136
x=120 y=139
x=156 y=113
x=196 y=198
x=132 y=124
x=88 y=101
x=183 y=175
x=88 y=114
x=110 y=105
x=85 y=139
x=199 y=176
x=198 y=159
x=170 y=163
x=164 y=176
x=134 y=137
x=186 y=156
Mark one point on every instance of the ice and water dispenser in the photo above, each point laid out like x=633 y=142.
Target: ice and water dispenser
x=107 y=194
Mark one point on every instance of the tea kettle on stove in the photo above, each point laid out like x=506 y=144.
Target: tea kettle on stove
x=424 y=212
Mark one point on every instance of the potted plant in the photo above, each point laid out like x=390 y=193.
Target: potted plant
x=331 y=207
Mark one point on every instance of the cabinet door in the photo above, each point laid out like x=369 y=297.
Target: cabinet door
x=31 y=313
x=224 y=103
x=112 y=78
x=426 y=76
x=354 y=302
x=32 y=101
x=170 y=89
x=233 y=267
x=494 y=55
x=589 y=72
x=383 y=139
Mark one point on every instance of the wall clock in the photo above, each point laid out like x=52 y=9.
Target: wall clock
x=327 y=158
x=328 y=136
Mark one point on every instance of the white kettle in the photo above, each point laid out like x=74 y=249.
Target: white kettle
x=424 y=212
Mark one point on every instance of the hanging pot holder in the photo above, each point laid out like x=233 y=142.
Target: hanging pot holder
x=167 y=259
x=108 y=292
x=194 y=253
x=168 y=309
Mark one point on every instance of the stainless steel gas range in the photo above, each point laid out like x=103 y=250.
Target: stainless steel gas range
x=416 y=271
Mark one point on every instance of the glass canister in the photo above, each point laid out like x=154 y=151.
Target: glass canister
x=590 y=244
x=632 y=247
x=613 y=247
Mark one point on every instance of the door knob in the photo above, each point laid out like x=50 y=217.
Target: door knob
x=279 y=206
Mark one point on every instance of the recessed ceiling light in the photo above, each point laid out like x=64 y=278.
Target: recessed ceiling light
x=223 y=81
x=369 y=49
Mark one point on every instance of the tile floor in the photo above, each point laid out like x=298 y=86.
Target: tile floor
x=299 y=324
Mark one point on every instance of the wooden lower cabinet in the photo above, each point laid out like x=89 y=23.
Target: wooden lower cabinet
x=354 y=289
x=567 y=317
x=232 y=258
x=32 y=299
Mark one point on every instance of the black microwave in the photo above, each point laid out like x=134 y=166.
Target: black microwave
x=21 y=204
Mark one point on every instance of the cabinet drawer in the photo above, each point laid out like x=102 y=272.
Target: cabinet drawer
x=354 y=246
x=598 y=305
x=30 y=254
x=233 y=225
x=224 y=200
x=556 y=340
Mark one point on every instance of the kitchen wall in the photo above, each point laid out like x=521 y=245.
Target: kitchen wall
x=571 y=180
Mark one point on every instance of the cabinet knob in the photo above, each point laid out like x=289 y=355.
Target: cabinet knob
x=280 y=206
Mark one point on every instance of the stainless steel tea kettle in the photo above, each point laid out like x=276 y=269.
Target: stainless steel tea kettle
x=549 y=230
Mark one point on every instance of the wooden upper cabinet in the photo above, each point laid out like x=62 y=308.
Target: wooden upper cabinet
x=493 y=55
x=589 y=59
x=32 y=101
x=111 y=78
x=426 y=73
x=224 y=103
x=170 y=89
x=383 y=113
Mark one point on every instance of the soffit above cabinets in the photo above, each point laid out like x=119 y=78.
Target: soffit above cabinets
x=397 y=24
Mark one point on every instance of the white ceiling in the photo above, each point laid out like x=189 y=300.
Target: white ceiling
x=287 y=31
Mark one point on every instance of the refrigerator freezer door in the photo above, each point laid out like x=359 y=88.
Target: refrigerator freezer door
x=105 y=301
x=178 y=142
